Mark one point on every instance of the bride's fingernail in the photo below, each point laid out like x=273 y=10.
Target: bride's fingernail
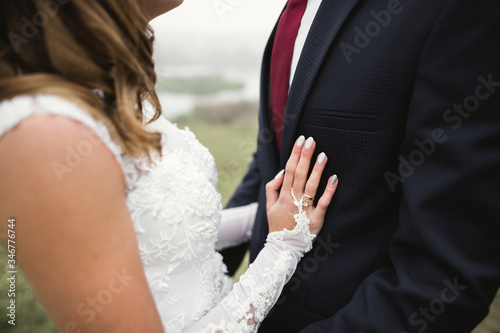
x=334 y=180
x=321 y=158
x=280 y=174
x=300 y=141
x=309 y=143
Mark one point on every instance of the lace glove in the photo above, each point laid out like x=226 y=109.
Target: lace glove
x=259 y=288
x=236 y=226
x=251 y=299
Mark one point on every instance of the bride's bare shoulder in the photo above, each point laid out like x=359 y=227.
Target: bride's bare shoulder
x=73 y=229
x=49 y=149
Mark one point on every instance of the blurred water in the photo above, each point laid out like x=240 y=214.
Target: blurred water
x=177 y=104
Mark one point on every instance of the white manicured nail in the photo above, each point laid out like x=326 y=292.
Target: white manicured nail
x=280 y=174
x=300 y=141
x=309 y=142
x=321 y=158
x=334 y=180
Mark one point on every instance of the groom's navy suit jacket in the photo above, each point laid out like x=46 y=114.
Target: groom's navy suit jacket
x=404 y=98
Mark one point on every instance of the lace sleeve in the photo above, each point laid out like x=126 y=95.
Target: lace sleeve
x=236 y=226
x=258 y=290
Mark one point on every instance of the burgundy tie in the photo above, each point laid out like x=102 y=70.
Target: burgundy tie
x=281 y=61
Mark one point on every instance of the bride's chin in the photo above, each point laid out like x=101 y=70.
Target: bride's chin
x=155 y=8
x=175 y=4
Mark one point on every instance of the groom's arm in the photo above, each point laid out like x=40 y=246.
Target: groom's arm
x=444 y=269
x=246 y=193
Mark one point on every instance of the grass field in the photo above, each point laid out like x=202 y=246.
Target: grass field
x=232 y=143
x=204 y=85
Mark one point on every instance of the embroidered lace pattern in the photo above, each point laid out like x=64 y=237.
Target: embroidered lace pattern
x=255 y=294
x=176 y=212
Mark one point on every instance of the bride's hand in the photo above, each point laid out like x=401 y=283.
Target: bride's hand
x=280 y=205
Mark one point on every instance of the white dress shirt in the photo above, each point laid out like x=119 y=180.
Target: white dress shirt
x=305 y=26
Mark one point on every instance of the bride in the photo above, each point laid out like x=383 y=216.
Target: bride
x=117 y=217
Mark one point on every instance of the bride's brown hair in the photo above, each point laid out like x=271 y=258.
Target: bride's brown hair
x=73 y=48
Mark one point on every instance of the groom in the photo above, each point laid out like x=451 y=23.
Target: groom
x=404 y=98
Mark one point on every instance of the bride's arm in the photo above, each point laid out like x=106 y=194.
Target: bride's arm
x=259 y=288
x=75 y=241
x=236 y=226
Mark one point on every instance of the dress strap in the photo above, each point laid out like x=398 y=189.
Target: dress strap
x=13 y=111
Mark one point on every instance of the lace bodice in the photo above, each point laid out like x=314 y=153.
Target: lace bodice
x=178 y=218
x=177 y=211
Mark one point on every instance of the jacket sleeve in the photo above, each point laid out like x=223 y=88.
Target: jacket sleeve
x=444 y=269
x=246 y=193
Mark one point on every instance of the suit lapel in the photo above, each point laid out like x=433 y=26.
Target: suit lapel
x=266 y=132
x=327 y=23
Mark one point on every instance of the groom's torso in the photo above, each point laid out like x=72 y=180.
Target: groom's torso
x=351 y=92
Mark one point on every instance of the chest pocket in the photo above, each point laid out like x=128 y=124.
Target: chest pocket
x=364 y=122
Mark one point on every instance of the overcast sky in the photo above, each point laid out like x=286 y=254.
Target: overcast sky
x=222 y=35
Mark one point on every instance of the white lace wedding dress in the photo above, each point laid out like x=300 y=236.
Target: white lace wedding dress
x=179 y=223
